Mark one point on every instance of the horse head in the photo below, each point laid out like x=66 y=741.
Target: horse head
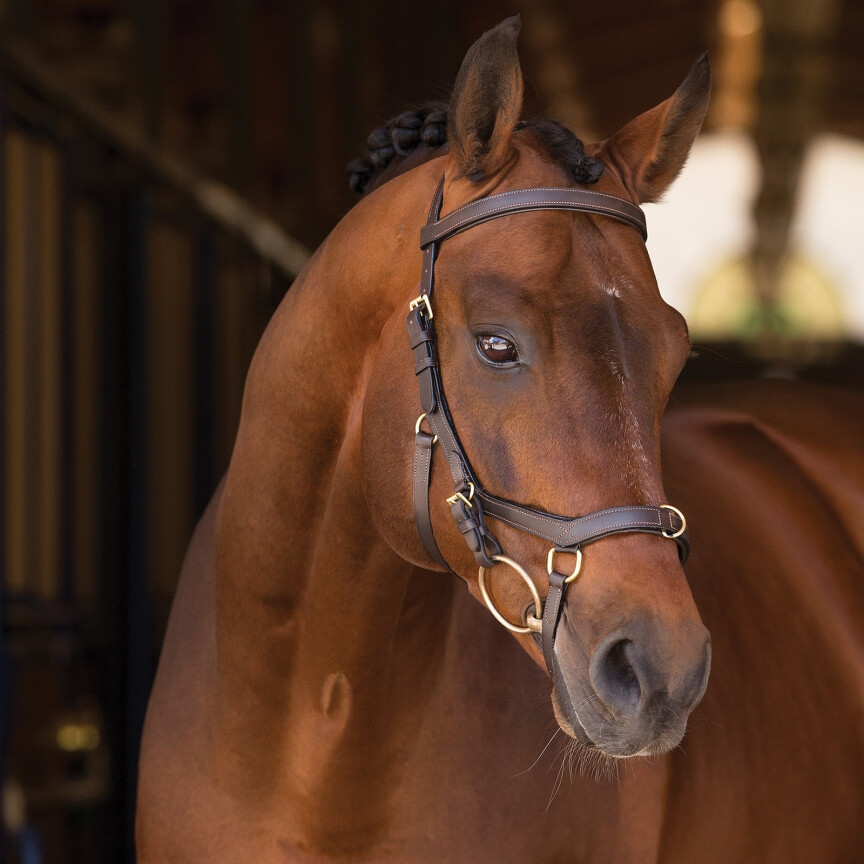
x=557 y=356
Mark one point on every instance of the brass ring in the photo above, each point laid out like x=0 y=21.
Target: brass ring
x=680 y=515
x=417 y=426
x=550 y=561
x=535 y=623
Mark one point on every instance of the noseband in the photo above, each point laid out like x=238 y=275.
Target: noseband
x=470 y=502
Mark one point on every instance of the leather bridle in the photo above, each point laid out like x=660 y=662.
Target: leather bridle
x=470 y=502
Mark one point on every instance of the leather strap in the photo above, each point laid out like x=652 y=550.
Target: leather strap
x=422 y=336
x=523 y=200
x=562 y=531
x=423 y=445
x=551 y=615
x=430 y=251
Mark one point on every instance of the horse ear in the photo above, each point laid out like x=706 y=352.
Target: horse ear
x=650 y=151
x=485 y=104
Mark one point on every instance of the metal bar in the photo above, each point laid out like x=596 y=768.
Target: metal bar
x=110 y=594
x=67 y=372
x=32 y=368
x=5 y=690
x=204 y=315
x=138 y=647
x=150 y=44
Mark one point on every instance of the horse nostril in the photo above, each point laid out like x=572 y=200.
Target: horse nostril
x=632 y=675
x=614 y=677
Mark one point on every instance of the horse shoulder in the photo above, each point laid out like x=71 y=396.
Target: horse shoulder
x=180 y=704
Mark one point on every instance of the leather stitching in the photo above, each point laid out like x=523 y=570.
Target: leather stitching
x=435 y=206
x=426 y=453
x=448 y=226
x=515 y=510
x=533 y=197
x=551 y=189
x=539 y=205
x=644 y=527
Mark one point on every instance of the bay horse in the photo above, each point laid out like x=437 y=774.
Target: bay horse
x=328 y=691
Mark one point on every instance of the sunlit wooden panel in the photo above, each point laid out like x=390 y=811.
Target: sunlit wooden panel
x=86 y=290
x=50 y=341
x=17 y=341
x=32 y=367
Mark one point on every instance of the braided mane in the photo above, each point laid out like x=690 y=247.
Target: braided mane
x=398 y=138
x=416 y=135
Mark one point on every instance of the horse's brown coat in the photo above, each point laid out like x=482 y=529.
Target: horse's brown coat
x=322 y=697
x=772 y=477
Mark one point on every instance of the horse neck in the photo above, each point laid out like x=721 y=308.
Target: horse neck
x=309 y=596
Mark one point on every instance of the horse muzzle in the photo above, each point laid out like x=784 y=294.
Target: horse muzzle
x=634 y=694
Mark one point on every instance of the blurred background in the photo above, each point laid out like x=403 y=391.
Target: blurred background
x=165 y=168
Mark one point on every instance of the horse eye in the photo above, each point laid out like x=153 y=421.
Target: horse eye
x=497 y=349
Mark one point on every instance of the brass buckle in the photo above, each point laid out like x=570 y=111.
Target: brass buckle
x=420 y=301
x=533 y=622
x=550 y=563
x=680 y=515
x=460 y=497
x=417 y=426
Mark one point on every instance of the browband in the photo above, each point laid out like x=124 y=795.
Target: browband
x=523 y=200
x=470 y=502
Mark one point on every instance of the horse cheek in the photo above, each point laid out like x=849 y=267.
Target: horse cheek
x=391 y=405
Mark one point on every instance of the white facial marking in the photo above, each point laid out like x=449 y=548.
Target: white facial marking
x=636 y=468
x=634 y=464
